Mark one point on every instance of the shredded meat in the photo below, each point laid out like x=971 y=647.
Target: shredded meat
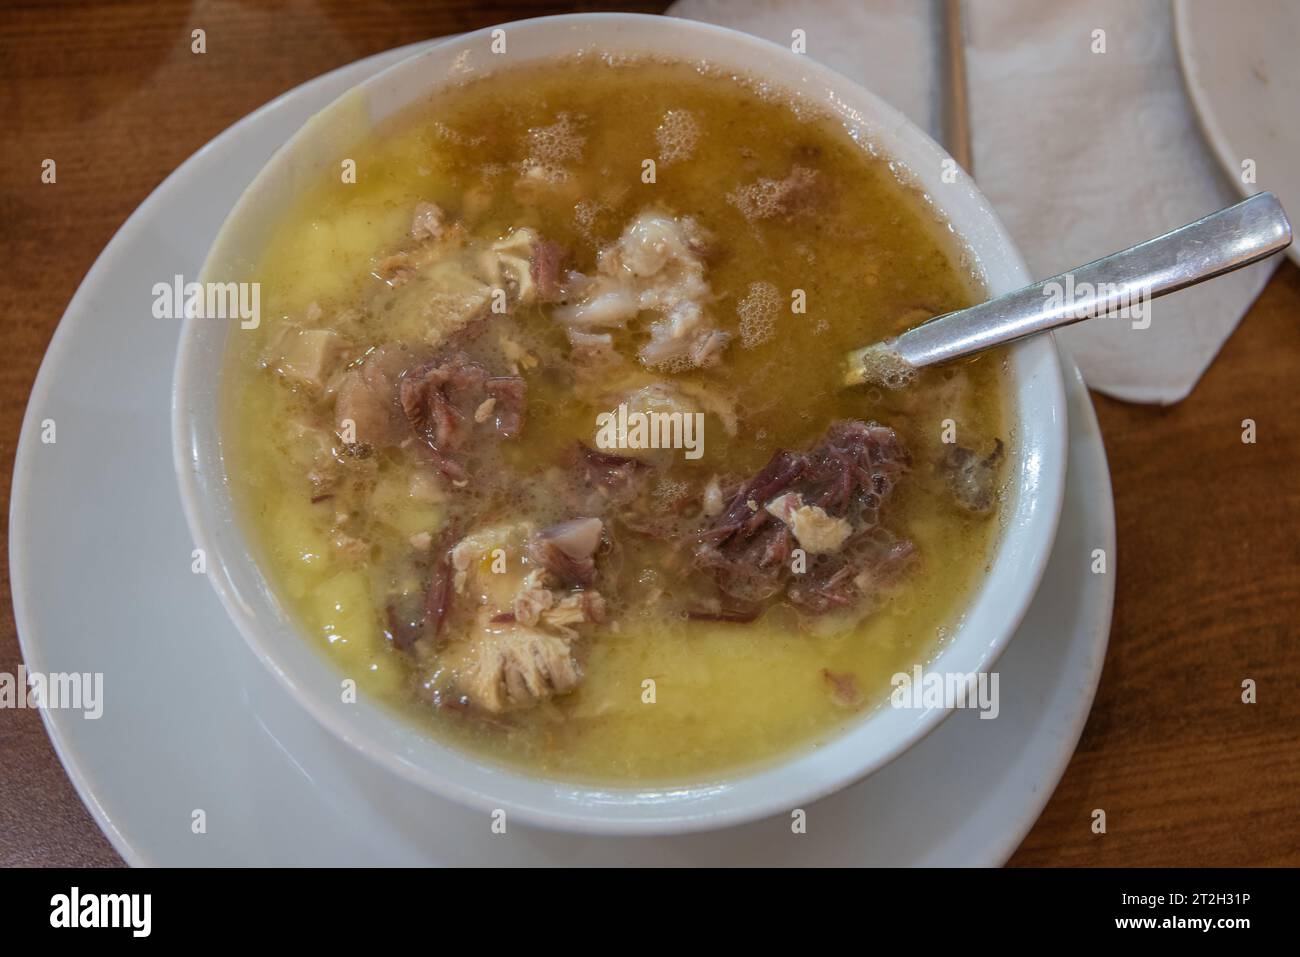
x=739 y=616
x=522 y=622
x=518 y=667
x=531 y=601
x=848 y=579
x=576 y=608
x=412 y=617
x=838 y=486
x=446 y=401
x=437 y=600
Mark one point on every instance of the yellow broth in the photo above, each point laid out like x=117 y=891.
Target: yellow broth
x=870 y=261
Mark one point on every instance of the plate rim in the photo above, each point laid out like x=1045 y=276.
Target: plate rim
x=63 y=339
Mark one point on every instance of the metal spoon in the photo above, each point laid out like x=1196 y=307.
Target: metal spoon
x=1219 y=243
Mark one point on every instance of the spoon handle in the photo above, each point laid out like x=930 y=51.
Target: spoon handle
x=1221 y=242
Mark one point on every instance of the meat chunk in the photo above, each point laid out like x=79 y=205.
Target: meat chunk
x=849 y=579
x=655 y=266
x=521 y=597
x=825 y=501
x=473 y=574
x=433 y=241
x=447 y=402
x=568 y=550
x=509 y=397
x=393 y=395
x=816 y=531
x=510 y=266
x=443 y=281
x=513 y=651
x=576 y=608
x=427 y=222
x=305 y=356
x=519 y=667
x=683 y=340
x=533 y=599
x=590 y=347
x=366 y=408
x=973 y=478
x=598 y=481
x=606 y=306
x=455 y=296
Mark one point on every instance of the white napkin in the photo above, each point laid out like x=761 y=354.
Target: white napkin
x=1080 y=153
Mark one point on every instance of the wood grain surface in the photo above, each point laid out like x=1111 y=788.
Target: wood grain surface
x=1209 y=557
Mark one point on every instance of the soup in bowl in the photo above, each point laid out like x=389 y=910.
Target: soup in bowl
x=535 y=477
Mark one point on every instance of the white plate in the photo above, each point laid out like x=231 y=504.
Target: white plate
x=100 y=561
x=1243 y=74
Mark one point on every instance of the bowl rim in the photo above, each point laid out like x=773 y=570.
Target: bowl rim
x=789 y=781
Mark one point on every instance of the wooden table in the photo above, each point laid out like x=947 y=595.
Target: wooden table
x=1208 y=564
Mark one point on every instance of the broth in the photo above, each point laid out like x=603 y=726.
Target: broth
x=658 y=644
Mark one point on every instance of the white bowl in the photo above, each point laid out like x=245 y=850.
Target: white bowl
x=1029 y=513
